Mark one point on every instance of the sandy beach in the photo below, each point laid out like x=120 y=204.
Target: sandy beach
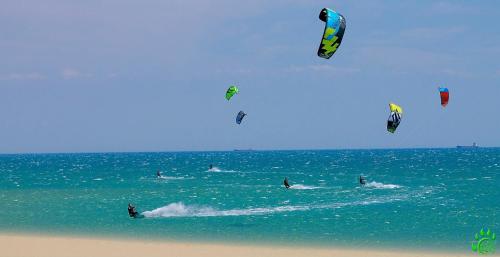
x=54 y=246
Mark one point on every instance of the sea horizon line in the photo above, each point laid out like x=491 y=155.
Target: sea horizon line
x=242 y=150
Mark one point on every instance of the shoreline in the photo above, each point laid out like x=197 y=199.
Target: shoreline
x=26 y=245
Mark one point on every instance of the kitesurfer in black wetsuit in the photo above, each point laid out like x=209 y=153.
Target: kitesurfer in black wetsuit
x=158 y=174
x=131 y=211
x=362 y=180
x=210 y=167
x=285 y=182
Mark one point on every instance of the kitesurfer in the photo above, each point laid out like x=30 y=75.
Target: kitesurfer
x=285 y=182
x=131 y=211
x=210 y=167
x=158 y=174
x=362 y=180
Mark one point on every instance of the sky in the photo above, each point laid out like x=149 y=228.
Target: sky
x=120 y=75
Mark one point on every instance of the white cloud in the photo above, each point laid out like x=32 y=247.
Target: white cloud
x=428 y=33
x=443 y=7
x=70 y=73
x=23 y=76
x=234 y=70
x=403 y=59
x=322 y=68
x=458 y=73
x=112 y=75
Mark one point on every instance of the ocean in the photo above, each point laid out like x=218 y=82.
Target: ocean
x=433 y=199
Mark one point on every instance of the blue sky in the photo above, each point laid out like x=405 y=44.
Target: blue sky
x=78 y=76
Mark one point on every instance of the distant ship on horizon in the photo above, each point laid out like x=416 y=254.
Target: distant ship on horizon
x=474 y=145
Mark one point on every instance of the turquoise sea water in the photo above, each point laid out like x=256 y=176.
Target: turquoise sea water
x=419 y=198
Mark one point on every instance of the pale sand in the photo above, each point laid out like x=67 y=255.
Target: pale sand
x=41 y=246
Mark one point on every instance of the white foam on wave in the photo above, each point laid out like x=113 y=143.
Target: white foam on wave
x=170 y=178
x=378 y=185
x=179 y=209
x=216 y=169
x=303 y=187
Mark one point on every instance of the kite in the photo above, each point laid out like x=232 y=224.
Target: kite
x=394 y=118
x=445 y=96
x=231 y=91
x=333 y=34
x=240 y=117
